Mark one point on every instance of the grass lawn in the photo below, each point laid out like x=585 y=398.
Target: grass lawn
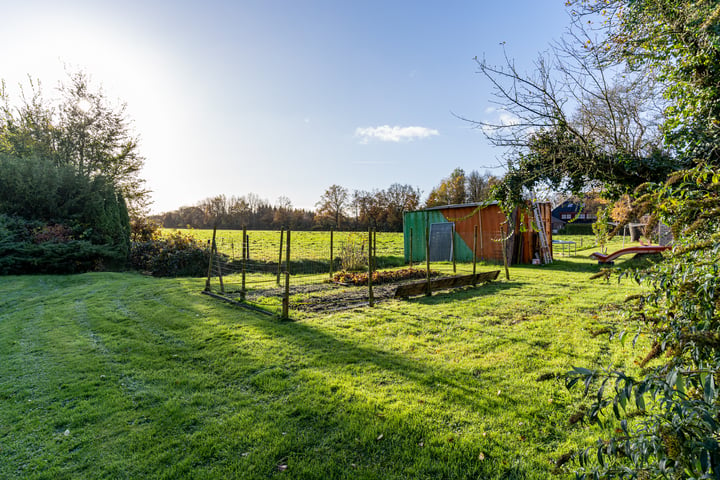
x=119 y=375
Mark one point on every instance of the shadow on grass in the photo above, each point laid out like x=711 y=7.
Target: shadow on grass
x=464 y=388
x=461 y=388
x=449 y=296
x=585 y=265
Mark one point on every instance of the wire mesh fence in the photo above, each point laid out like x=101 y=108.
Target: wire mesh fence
x=282 y=271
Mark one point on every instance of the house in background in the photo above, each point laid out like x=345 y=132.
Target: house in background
x=557 y=224
x=573 y=211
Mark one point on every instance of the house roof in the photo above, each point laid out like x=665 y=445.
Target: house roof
x=567 y=207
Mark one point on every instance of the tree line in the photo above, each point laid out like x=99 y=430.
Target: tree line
x=236 y=212
x=338 y=207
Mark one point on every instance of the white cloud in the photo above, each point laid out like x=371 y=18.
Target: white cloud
x=386 y=133
x=508 y=119
x=501 y=119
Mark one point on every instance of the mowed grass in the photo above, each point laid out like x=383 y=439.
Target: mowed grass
x=119 y=375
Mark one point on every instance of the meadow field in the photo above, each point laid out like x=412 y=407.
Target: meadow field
x=305 y=245
x=316 y=244
x=121 y=375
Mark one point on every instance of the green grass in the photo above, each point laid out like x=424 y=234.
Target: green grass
x=305 y=245
x=111 y=375
x=316 y=245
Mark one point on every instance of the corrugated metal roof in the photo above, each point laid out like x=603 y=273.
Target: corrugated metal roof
x=458 y=205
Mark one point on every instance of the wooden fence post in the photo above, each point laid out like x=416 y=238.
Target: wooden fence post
x=453 y=250
x=286 y=296
x=371 y=300
x=279 y=271
x=212 y=256
x=428 y=291
x=332 y=266
x=482 y=247
x=475 y=238
x=244 y=260
x=504 y=252
x=411 y=252
x=219 y=268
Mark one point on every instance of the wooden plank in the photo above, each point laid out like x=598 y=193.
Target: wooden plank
x=420 y=288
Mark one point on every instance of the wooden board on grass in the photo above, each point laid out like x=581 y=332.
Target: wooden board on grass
x=420 y=288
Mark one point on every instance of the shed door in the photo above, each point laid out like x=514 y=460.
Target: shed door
x=441 y=242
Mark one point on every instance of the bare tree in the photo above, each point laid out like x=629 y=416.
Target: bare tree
x=577 y=119
x=332 y=204
x=478 y=187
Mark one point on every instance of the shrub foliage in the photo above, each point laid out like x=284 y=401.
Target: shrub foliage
x=53 y=220
x=177 y=255
x=383 y=276
x=666 y=421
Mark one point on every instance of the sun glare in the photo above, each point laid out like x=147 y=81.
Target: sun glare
x=84 y=105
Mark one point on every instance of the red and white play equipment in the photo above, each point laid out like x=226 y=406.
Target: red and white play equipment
x=638 y=250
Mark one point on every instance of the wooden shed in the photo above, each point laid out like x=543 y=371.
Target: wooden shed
x=451 y=232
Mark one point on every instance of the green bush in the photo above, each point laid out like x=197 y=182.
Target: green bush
x=576 y=229
x=57 y=221
x=666 y=419
x=31 y=246
x=175 y=256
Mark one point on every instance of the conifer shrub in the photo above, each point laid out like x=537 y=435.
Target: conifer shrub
x=53 y=220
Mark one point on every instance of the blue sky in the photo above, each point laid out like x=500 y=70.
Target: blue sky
x=285 y=98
